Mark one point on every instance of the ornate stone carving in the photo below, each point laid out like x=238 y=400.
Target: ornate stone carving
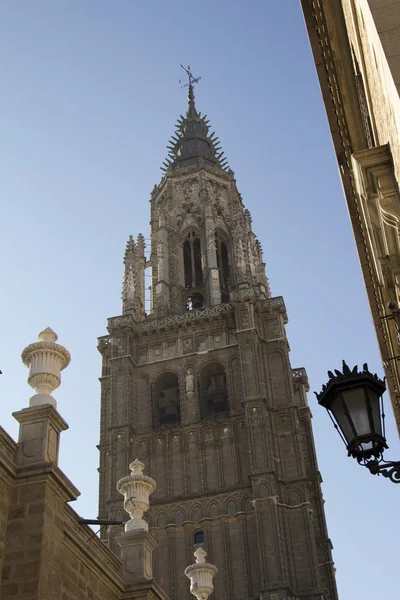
x=300 y=377
x=187 y=344
x=170 y=321
x=255 y=416
x=201 y=576
x=45 y=360
x=104 y=343
x=271 y=304
x=244 y=294
x=244 y=318
x=136 y=489
x=120 y=322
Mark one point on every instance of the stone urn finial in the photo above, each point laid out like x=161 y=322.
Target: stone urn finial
x=201 y=576
x=136 y=489
x=45 y=360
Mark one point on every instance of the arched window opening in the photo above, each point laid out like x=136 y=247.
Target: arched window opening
x=194 y=301
x=213 y=391
x=148 y=296
x=198 y=269
x=192 y=261
x=222 y=261
x=167 y=405
x=199 y=537
x=225 y=265
x=187 y=259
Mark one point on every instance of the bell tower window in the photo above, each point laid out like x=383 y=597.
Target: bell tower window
x=198 y=269
x=213 y=391
x=187 y=259
x=166 y=401
x=192 y=261
x=194 y=301
x=223 y=264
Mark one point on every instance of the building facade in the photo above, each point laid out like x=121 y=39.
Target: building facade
x=202 y=391
x=356 y=49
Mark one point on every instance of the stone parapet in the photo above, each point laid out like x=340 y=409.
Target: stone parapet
x=169 y=322
x=194 y=316
x=7 y=445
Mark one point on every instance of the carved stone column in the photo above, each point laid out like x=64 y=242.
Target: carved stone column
x=162 y=300
x=140 y=270
x=213 y=282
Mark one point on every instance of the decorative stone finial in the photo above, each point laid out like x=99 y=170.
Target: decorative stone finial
x=136 y=489
x=201 y=576
x=47 y=335
x=45 y=360
x=200 y=555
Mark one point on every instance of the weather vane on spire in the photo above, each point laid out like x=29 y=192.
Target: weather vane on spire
x=191 y=79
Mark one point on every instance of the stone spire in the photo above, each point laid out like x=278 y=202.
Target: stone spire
x=45 y=360
x=129 y=255
x=201 y=576
x=133 y=287
x=192 y=141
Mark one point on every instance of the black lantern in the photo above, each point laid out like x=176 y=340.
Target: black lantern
x=353 y=400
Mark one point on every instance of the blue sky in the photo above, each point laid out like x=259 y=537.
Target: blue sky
x=89 y=98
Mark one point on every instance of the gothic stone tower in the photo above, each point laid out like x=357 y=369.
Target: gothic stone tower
x=202 y=391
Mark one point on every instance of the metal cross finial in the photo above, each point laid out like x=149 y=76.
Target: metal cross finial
x=191 y=79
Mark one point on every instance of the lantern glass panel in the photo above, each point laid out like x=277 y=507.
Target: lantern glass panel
x=355 y=400
x=338 y=411
x=374 y=401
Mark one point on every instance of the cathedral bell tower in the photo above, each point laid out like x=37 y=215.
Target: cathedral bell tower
x=202 y=391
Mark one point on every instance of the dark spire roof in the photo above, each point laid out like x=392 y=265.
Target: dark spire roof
x=192 y=141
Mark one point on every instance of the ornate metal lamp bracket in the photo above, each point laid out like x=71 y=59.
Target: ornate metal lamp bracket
x=390 y=469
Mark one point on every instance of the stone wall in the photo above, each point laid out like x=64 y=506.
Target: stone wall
x=46 y=552
x=373 y=62
x=233 y=477
x=386 y=14
x=7 y=473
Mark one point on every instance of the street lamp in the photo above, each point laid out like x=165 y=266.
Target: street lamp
x=354 y=403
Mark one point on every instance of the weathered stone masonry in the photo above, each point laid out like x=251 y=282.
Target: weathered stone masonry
x=202 y=391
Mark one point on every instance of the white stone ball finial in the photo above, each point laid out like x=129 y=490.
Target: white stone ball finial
x=136 y=489
x=45 y=360
x=201 y=576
